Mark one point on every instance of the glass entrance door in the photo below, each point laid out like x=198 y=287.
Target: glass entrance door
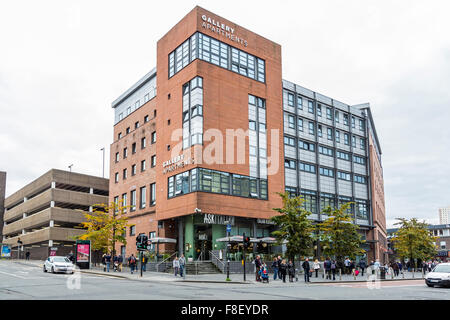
x=203 y=241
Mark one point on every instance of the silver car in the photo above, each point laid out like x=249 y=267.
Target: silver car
x=439 y=276
x=58 y=264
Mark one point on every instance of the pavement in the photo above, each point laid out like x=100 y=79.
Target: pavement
x=221 y=278
x=25 y=280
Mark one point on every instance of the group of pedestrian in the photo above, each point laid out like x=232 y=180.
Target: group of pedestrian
x=179 y=265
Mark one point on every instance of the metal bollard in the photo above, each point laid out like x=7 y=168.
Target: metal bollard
x=354 y=274
x=340 y=274
x=403 y=275
x=392 y=273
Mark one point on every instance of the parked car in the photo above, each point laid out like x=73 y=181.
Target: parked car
x=58 y=264
x=439 y=276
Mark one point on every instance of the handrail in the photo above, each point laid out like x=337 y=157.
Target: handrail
x=165 y=261
x=196 y=262
x=217 y=258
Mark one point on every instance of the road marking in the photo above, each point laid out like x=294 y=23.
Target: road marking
x=14 y=275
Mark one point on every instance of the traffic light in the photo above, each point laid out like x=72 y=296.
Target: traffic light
x=246 y=242
x=141 y=242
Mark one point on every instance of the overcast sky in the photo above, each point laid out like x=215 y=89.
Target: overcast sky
x=62 y=63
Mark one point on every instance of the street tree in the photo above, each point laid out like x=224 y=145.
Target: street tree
x=339 y=237
x=104 y=226
x=413 y=241
x=294 y=227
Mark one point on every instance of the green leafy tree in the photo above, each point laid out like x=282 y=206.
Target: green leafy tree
x=338 y=234
x=294 y=227
x=413 y=240
x=104 y=226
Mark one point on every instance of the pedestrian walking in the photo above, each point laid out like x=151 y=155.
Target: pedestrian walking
x=120 y=261
x=395 y=268
x=352 y=266
x=362 y=266
x=104 y=262
x=279 y=266
x=144 y=263
x=306 y=268
x=132 y=262
x=333 y=268
x=176 y=265
x=182 y=261
x=116 y=263
x=108 y=261
x=327 y=267
x=283 y=270
x=258 y=264
x=275 y=268
x=347 y=265
x=291 y=271
x=27 y=255
x=316 y=267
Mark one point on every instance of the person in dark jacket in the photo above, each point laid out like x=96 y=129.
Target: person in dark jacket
x=291 y=271
x=108 y=261
x=327 y=267
x=283 y=270
x=396 y=269
x=279 y=266
x=362 y=266
x=275 y=266
x=306 y=268
x=132 y=262
x=258 y=267
x=333 y=268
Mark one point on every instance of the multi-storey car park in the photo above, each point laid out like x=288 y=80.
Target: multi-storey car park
x=47 y=212
x=177 y=163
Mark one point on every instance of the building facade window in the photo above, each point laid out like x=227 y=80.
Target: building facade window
x=361 y=210
x=124 y=202
x=306 y=167
x=306 y=145
x=359 y=179
x=310 y=203
x=343 y=155
x=299 y=103
x=133 y=200
x=218 y=53
x=133 y=170
x=257 y=137
x=143 y=198
x=117 y=157
x=143 y=165
x=153 y=136
x=132 y=230
x=143 y=143
x=152 y=194
x=326 y=172
x=192 y=112
x=207 y=180
x=300 y=124
x=343 y=176
x=116 y=177
x=326 y=151
x=153 y=161
x=310 y=107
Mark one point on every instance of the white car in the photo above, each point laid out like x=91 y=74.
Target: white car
x=439 y=276
x=58 y=264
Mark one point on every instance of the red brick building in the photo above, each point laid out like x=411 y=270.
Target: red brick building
x=205 y=139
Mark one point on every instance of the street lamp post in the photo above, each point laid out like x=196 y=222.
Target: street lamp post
x=227 y=249
x=103 y=172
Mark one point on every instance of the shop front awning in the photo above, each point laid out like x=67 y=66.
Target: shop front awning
x=254 y=240
x=162 y=240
